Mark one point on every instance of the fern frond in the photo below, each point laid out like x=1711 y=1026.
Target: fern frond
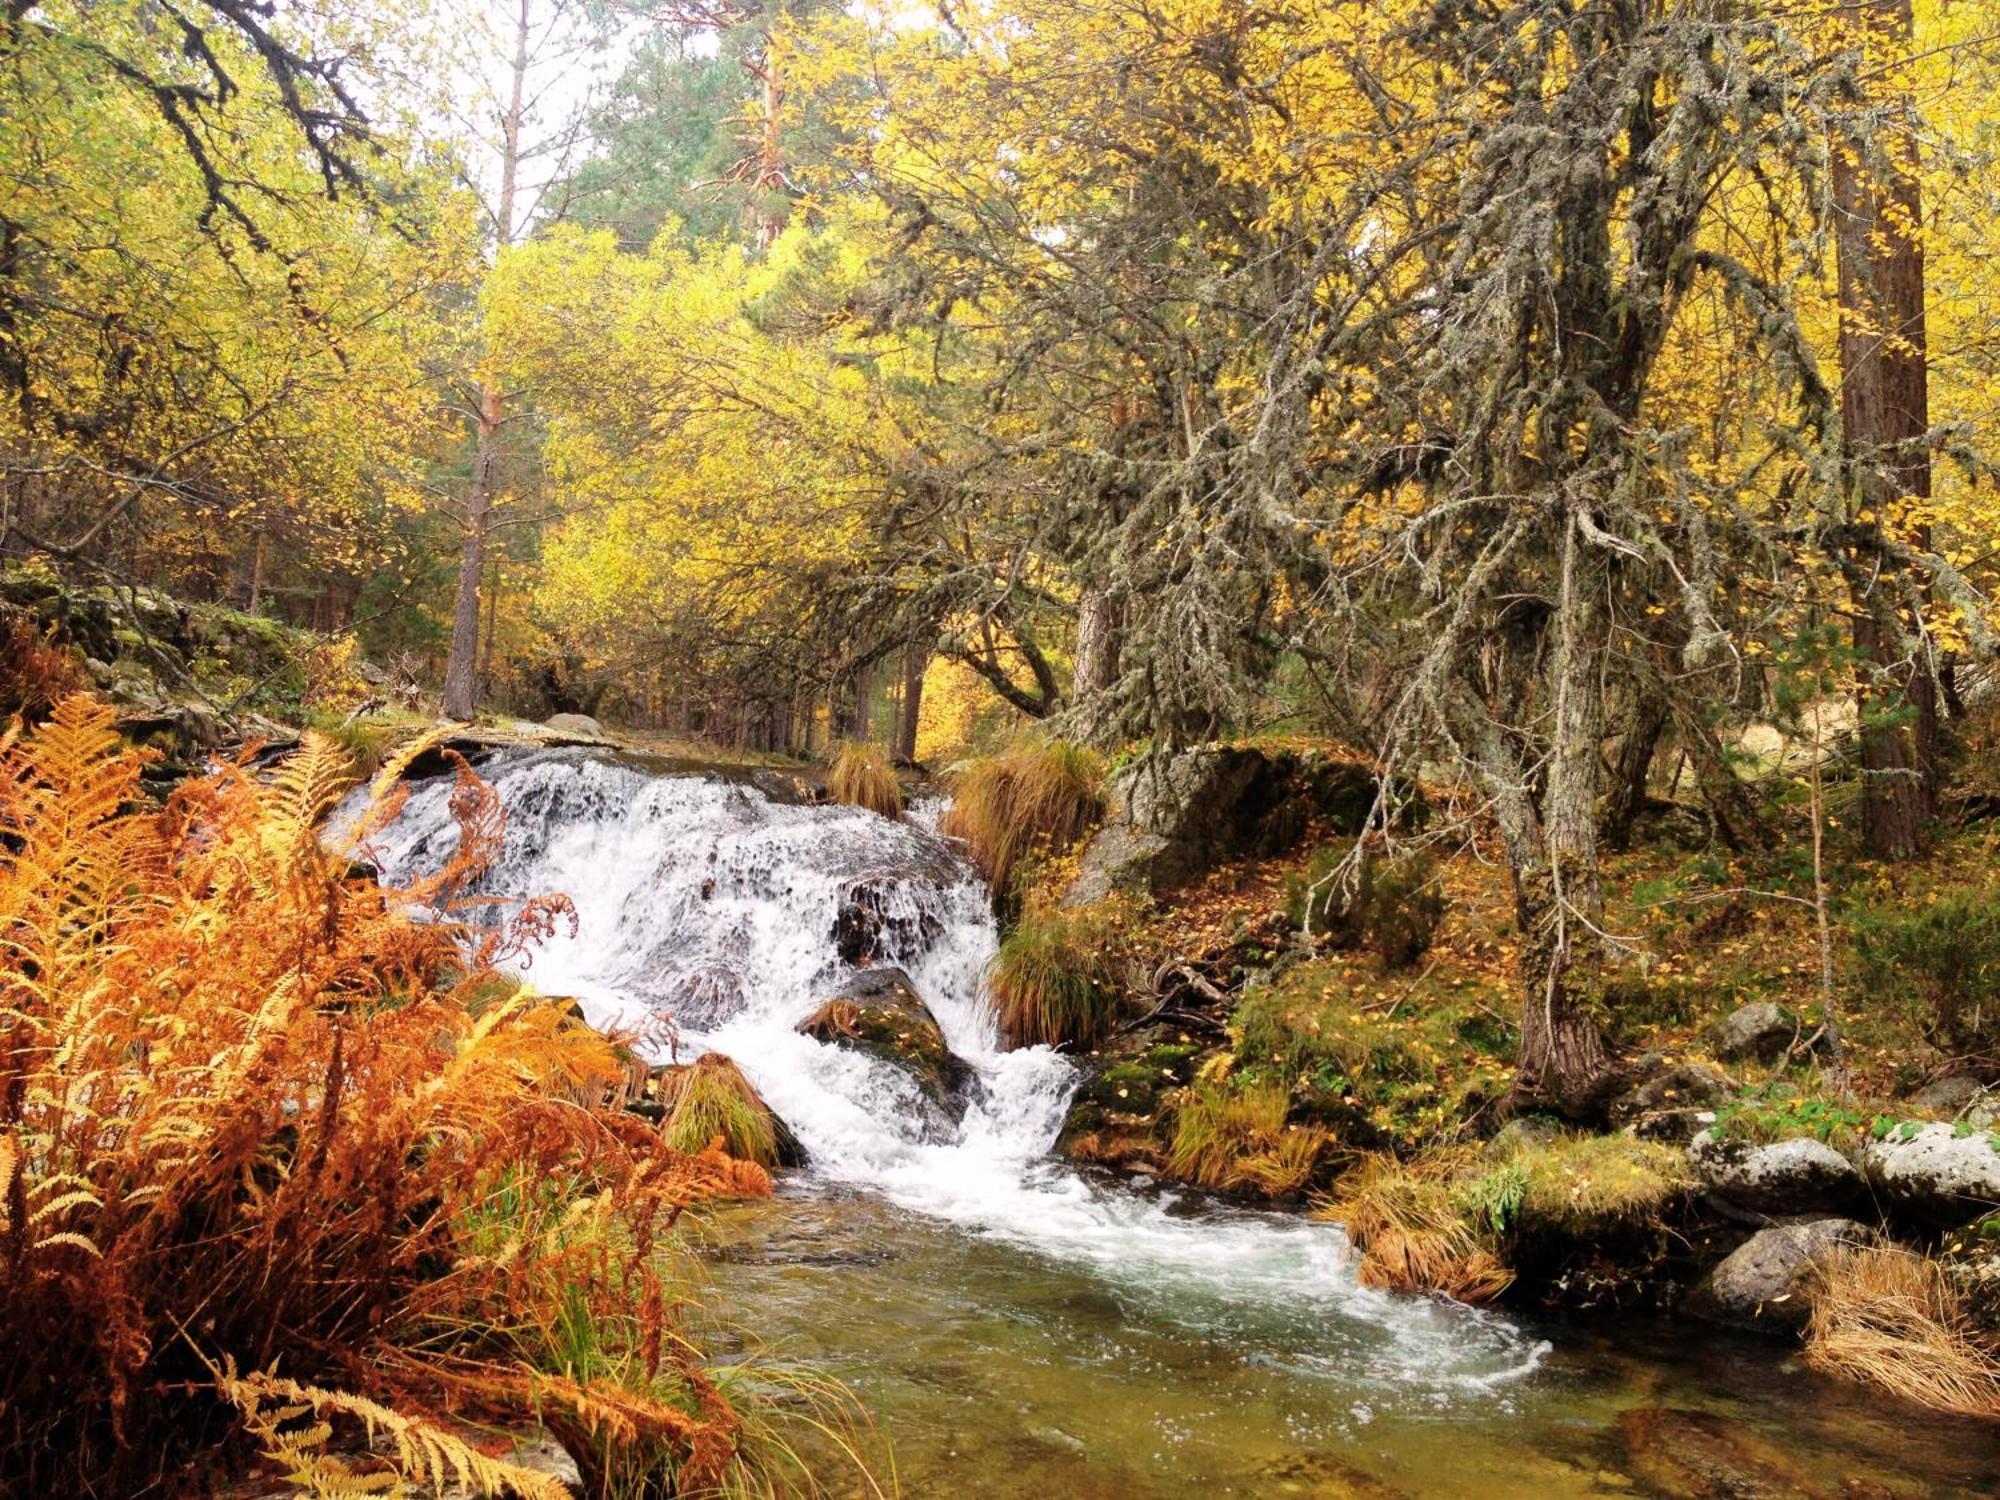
x=425 y=1450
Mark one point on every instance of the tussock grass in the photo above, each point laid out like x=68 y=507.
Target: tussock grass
x=1450 y=1220
x=1580 y=1185
x=1052 y=982
x=253 y=1122
x=861 y=776
x=1038 y=796
x=1414 y=1233
x=1888 y=1318
x=710 y=1104
x=1235 y=1139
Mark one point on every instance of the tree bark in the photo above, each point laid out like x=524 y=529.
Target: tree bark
x=1550 y=833
x=1635 y=763
x=461 y=672
x=1885 y=414
x=862 y=688
x=916 y=659
x=1099 y=641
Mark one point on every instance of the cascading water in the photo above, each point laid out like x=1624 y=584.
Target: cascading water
x=704 y=899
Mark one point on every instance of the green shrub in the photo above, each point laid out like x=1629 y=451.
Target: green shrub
x=1943 y=959
x=1393 y=908
x=861 y=776
x=1039 y=796
x=712 y=1101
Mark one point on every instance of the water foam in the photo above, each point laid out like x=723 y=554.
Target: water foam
x=702 y=896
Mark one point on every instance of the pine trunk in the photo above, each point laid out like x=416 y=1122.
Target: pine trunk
x=1885 y=413
x=1099 y=631
x=461 y=672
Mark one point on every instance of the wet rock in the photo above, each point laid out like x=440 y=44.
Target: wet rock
x=1323 y=1476
x=1762 y=1283
x=879 y=920
x=879 y=1012
x=1784 y=1177
x=1943 y=1174
x=1173 y=821
x=1762 y=1030
x=1670 y=1100
x=1975 y=1279
x=857 y=933
x=1699 y=1455
x=574 y=724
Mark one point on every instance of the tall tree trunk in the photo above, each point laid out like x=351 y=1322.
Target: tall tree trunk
x=916 y=660
x=1885 y=412
x=257 y=574
x=492 y=629
x=461 y=676
x=1099 y=642
x=863 y=689
x=461 y=686
x=1565 y=1064
x=766 y=209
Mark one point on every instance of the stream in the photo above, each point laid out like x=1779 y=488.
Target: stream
x=1019 y=1327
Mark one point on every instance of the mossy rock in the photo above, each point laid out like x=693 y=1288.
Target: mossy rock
x=878 y=1011
x=1121 y=1111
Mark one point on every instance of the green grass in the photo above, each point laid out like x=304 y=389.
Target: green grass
x=712 y=1100
x=1053 y=979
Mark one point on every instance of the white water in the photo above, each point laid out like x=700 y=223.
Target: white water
x=703 y=898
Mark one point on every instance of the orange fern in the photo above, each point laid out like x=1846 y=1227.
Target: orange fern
x=245 y=1119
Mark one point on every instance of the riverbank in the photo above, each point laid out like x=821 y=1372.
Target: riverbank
x=1267 y=1043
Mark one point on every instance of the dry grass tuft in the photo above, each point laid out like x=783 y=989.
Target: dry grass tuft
x=1040 y=796
x=861 y=776
x=1235 y=1139
x=1052 y=981
x=1888 y=1318
x=711 y=1104
x=247 y=1121
x=1413 y=1234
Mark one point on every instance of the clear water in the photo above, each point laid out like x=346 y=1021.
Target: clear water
x=1020 y=1327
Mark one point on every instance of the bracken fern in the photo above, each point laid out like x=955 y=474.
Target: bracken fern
x=247 y=1120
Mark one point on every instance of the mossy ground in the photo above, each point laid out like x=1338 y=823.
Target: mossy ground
x=1415 y=1059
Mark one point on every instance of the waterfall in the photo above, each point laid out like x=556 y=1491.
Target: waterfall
x=701 y=898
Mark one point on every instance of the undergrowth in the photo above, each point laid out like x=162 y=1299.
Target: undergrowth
x=1054 y=979
x=261 y=1170
x=1411 y=1062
